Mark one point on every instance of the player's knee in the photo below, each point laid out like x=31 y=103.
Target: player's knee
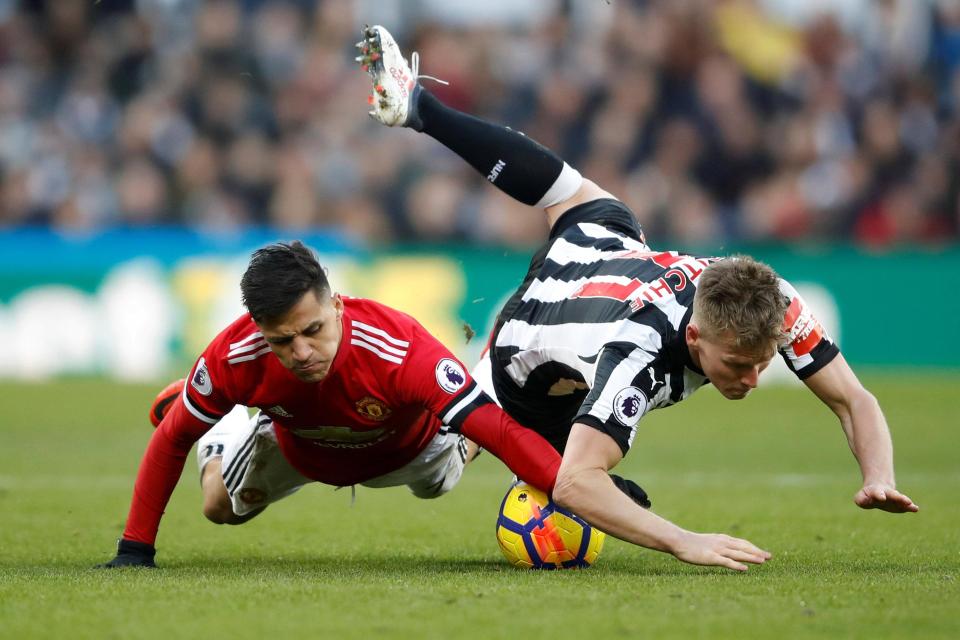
x=217 y=506
x=426 y=496
x=219 y=511
x=430 y=492
x=435 y=490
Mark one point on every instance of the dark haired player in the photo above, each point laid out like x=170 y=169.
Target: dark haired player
x=603 y=328
x=350 y=392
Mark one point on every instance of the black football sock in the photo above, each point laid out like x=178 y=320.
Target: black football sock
x=520 y=167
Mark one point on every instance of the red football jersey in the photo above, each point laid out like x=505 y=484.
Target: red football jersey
x=378 y=406
x=391 y=387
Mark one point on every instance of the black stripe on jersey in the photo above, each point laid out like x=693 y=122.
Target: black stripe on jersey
x=199 y=409
x=581 y=239
x=572 y=311
x=510 y=307
x=504 y=353
x=463 y=393
x=607 y=212
x=456 y=420
x=619 y=433
x=822 y=354
x=639 y=268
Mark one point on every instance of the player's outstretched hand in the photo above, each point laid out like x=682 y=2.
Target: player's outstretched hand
x=131 y=554
x=884 y=497
x=717 y=549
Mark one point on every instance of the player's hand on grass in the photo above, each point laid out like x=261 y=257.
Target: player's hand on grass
x=878 y=495
x=717 y=549
x=131 y=554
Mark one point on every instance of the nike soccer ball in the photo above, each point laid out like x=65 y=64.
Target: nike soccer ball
x=534 y=533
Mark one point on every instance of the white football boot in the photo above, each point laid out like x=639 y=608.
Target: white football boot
x=395 y=86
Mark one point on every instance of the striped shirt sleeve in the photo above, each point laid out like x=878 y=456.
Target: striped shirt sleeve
x=808 y=348
x=622 y=394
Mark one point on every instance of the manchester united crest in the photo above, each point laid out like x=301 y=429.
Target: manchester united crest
x=374 y=409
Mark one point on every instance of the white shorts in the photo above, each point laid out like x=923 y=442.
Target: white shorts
x=255 y=472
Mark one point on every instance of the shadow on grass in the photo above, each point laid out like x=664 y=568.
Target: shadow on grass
x=337 y=567
x=383 y=564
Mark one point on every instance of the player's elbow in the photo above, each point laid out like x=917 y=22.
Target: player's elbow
x=857 y=401
x=867 y=401
x=571 y=488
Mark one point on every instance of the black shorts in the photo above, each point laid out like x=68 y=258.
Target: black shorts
x=552 y=417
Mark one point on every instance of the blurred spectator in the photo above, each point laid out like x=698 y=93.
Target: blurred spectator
x=717 y=121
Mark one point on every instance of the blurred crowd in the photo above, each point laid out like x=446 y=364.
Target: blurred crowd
x=716 y=121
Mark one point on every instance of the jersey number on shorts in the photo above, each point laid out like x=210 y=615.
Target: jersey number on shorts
x=213 y=450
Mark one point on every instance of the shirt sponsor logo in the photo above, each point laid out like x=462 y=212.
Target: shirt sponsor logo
x=342 y=437
x=450 y=375
x=201 y=379
x=629 y=406
x=373 y=409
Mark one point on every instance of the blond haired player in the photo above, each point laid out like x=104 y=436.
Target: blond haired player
x=605 y=328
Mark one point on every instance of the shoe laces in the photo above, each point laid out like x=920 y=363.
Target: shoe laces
x=415 y=69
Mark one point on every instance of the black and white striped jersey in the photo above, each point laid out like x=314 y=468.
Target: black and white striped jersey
x=595 y=334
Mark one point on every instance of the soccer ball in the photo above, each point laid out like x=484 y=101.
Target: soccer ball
x=534 y=533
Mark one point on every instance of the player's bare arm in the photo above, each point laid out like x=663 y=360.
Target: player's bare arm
x=584 y=486
x=867 y=434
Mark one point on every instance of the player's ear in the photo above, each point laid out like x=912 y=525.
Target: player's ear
x=337 y=304
x=692 y=333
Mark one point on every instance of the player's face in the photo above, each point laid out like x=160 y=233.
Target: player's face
x=307 y=337
x=734 y=371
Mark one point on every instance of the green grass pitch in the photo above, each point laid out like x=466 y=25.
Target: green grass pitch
x=774 y=468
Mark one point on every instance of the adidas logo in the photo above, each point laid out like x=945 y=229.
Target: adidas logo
x=280 y=411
